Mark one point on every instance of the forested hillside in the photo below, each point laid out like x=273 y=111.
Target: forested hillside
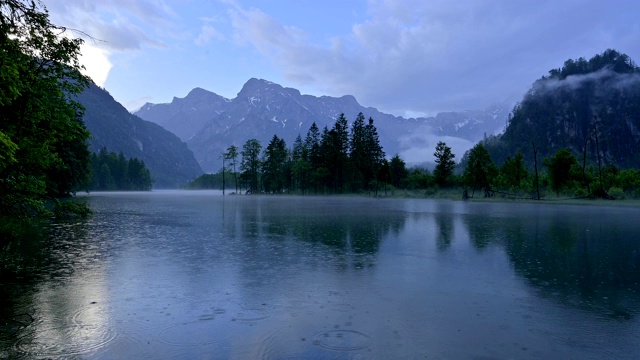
x=169 y=160
x=590 y=106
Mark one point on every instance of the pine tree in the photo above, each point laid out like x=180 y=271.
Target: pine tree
x=250 y=164
x=444 y=164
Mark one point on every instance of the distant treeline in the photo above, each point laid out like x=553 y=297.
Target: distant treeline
x=336 y=160
x=111 y=171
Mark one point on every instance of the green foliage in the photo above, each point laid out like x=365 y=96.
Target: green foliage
x=206 y=181
x=513 y=173
x=480 y=171
x=445 y=165
x=399 y=171
x=251 y=165
x=232 y=156
x=274 y=164
x=111 y=171
x=419 y=179
x=560 y=167
x=43 y=150
x=589 y=106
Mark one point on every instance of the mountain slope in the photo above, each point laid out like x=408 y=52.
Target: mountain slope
x=169 y=160
x=185 y=116
x=262 y=109
x=594 y=103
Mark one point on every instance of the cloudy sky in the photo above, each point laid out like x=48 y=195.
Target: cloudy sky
x=405 y=57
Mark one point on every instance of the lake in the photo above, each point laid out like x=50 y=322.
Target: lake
x=193 y=274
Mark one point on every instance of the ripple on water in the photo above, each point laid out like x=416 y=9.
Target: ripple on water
x=88 y=329
x=342 y=340
x=202 y=332
x=249 y=314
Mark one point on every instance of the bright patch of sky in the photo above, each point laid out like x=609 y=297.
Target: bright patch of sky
x=405 y=57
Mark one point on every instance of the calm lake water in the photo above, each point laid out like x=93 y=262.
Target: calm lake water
x=186 y=275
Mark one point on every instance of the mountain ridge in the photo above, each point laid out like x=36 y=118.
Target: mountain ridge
x=263 y=108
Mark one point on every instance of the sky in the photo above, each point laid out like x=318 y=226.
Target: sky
x=405 y=57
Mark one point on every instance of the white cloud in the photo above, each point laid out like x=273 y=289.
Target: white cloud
x=429 y=56
x=419 y=147
x=135 y=104
x=112 y=26
x=96 y=62
x=208 y=34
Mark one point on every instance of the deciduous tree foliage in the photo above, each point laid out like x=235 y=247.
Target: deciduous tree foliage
x=559 y=166
x=480 y=171
x=43 y=150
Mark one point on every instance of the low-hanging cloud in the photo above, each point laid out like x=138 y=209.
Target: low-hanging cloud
x=418 y=148
x=605 y=75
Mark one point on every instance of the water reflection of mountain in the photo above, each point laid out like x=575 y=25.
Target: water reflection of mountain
x=588 y=260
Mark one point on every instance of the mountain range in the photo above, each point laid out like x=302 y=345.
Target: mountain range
x=210 y=123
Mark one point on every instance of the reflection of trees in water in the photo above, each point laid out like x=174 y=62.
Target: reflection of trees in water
x=444 y=222
x=589 y=262
x=340 y=225
x=54 y=256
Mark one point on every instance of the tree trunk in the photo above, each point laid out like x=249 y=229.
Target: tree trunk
x=535 y=166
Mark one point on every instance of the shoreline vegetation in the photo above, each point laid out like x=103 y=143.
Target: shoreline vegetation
x=343 y=162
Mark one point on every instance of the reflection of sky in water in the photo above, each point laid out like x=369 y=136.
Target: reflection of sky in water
x=192 y=275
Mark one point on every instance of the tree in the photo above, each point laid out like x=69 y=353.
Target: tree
x=559 y=166
x=232 y=156
x=374 y=154
x=339 y=152
x=399 y=171
x=480 y=171
x=513 y=171
x=115 y=172
x=273 y=165
x=250 y=164
x=43 y=150
x=299 y=164
x=312 y=145
x=358 y=154
x=444 y=164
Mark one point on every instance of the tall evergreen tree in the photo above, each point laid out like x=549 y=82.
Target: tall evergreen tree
x=340 y=152
x=232 y=156
x=444 y=164
x=273 y=165
x=251 y=164
x=374 y=153
x=399 y=171
x=358 y=153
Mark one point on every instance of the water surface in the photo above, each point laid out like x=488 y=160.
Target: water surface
x=176 y=274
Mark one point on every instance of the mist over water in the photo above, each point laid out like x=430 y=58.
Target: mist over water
x=177 y=274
